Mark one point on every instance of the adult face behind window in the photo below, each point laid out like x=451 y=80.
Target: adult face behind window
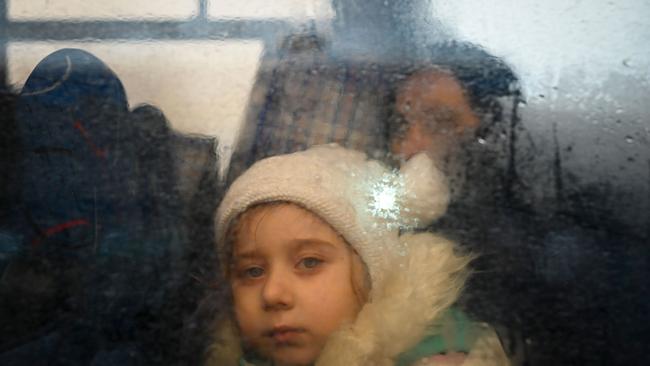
x=436 y=115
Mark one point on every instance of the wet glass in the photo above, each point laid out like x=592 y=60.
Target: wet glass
x=124 y=123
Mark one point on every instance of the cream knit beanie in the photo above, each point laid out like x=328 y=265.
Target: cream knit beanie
x=363 y=200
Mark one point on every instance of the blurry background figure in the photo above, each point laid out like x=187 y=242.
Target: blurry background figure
x=77 y=165
x=460 y=104
x=436 y=112
x=106 y=271
x=178 y=176
x=451 y=106
x=72 y=116
x=159 y=198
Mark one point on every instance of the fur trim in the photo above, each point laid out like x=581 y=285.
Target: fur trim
x=226 y=347
x=420 y=286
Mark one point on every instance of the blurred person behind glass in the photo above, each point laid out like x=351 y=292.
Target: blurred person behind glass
x=454 y=107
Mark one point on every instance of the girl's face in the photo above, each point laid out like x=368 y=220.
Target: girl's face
x=293 y=282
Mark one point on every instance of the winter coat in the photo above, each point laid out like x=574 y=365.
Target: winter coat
x=404 y=319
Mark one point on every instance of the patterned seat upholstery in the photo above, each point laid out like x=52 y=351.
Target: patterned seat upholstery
x=303 y=98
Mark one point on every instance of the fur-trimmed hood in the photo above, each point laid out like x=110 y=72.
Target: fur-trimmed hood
x=422 y=282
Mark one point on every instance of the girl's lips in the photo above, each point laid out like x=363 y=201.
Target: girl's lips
x=284 y=334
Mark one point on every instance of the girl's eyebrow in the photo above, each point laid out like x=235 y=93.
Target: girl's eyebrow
x=307 y=243
x=246 y=254
x=296 y=246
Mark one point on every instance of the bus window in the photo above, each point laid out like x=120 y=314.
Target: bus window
x=125 y=124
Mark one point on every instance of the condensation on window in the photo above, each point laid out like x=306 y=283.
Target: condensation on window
x=299 y=11
x=94 y=9
x=125 y=122
x=188 y=65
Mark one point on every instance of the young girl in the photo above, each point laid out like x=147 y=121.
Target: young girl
x=326 y=267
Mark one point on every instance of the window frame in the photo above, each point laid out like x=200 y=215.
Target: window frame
x=200 y=27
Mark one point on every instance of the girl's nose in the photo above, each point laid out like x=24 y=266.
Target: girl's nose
x=277 y=293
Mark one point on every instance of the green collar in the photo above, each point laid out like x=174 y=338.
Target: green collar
x=453 y=333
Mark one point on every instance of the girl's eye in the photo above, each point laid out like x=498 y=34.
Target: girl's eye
x=254 y=272
x=310 y=263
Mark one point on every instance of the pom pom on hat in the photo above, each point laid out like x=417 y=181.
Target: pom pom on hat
x=363 y=200
x=425 y=192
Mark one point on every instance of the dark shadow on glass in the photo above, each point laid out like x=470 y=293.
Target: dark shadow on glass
x=112 y=227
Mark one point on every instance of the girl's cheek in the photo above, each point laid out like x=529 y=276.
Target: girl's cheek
x=241 y=292
x=244 y=301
